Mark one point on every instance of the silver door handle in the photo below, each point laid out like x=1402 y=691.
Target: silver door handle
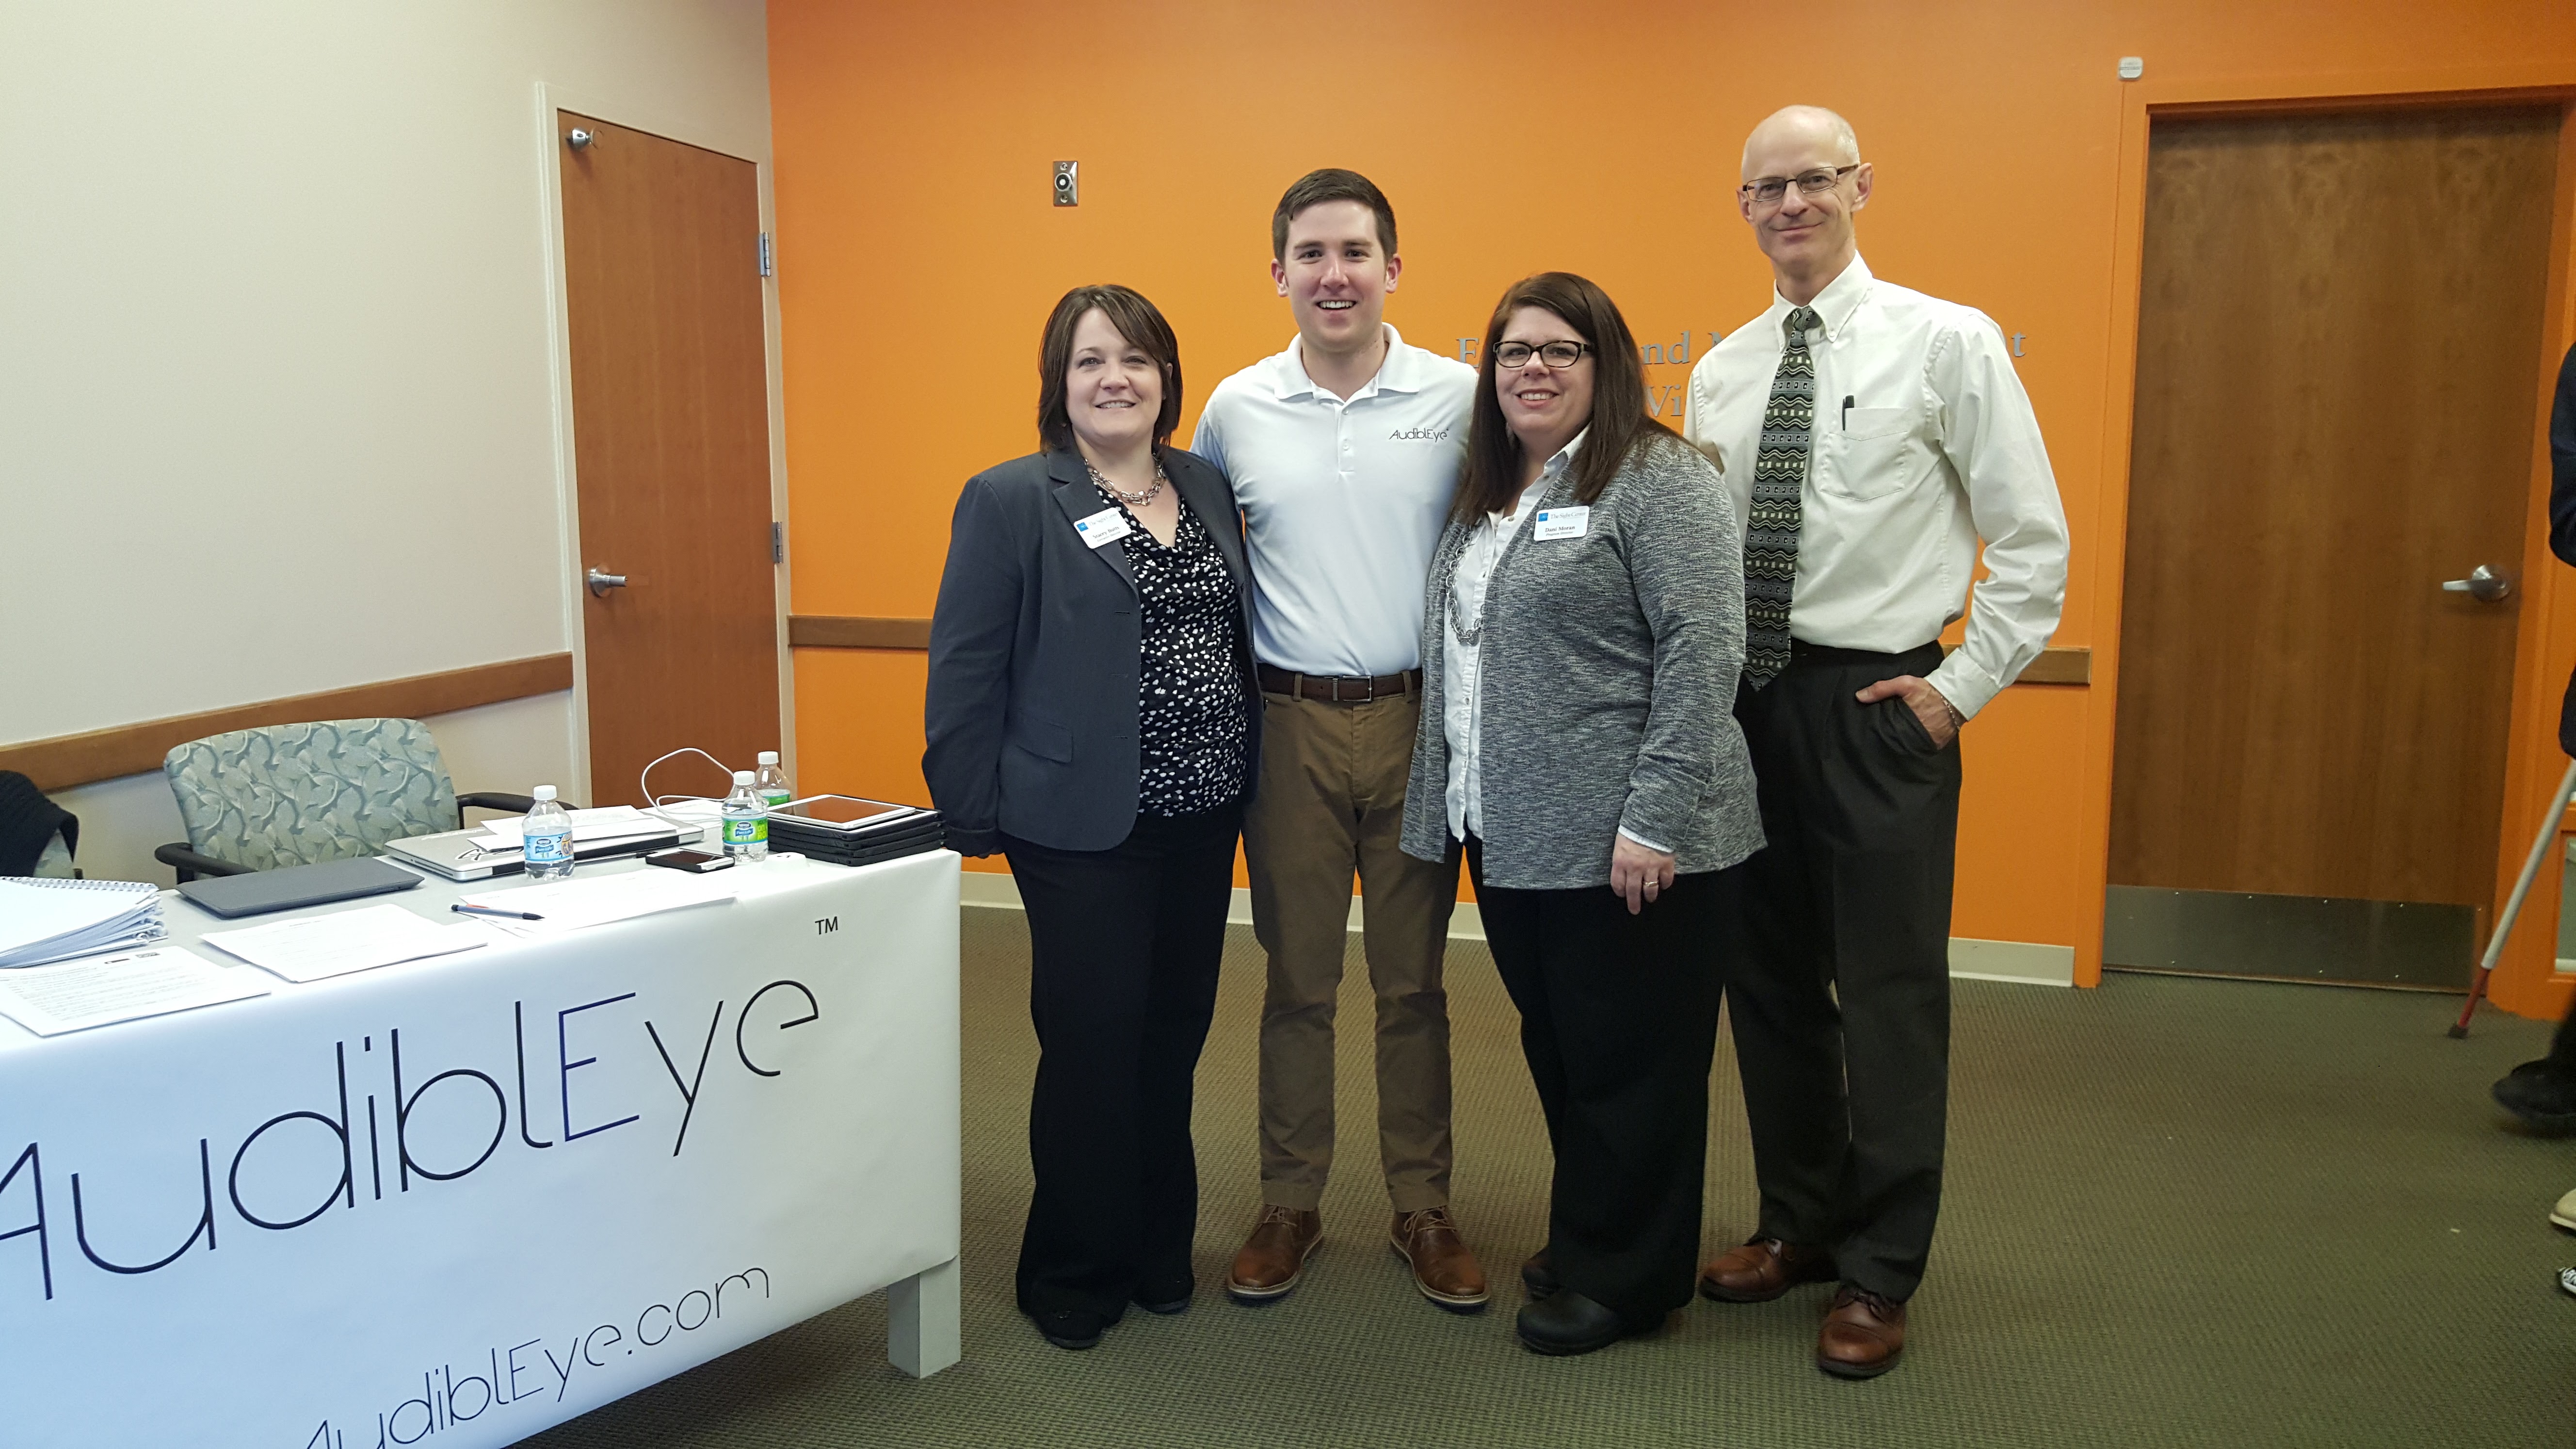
x=601 y=583
x=2483 y=584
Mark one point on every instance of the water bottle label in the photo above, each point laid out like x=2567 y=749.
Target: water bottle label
x=754 y=831
x=775 y=798
x=549 y=849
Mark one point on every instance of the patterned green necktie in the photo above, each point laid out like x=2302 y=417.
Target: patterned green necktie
x=1771 y=521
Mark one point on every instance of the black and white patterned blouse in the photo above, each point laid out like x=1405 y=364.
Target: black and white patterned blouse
x=1193 y=707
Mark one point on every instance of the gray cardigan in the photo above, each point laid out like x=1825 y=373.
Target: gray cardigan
x=1608 y=668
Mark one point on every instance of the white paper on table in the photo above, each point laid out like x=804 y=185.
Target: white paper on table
x=573 y=904
x=605 y=822
x=317 y=947
x=128 y=986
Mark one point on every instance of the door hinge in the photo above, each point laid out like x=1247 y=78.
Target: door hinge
x=778 y=543
x=766 y=265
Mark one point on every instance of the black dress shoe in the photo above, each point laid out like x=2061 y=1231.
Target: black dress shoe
x=1566 y=1322
x=2542 y=1094
x=1538 y=1276
x=1166 y=1296
x=1074 y=1328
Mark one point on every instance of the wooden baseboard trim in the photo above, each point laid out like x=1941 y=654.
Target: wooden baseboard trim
x=2060 y=664
x=67 y=760
x=842 y=631
x=2057 y=664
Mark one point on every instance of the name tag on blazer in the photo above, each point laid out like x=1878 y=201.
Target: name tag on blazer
x=1555 y=523
x=1105 y=527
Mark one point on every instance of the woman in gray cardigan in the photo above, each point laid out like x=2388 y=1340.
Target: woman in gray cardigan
x=1584 y=627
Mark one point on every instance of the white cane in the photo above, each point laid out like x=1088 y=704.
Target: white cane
x=2513 y=904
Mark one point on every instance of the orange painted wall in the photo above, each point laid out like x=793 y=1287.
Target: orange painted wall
x=918 y=252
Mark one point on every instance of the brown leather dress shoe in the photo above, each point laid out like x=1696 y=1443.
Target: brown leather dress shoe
x=1763 y=1269
x=1274 y=1257
x=1862 y=1336
x=1442 y=1267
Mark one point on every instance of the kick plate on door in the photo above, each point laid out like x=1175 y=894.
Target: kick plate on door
x=2430 y=947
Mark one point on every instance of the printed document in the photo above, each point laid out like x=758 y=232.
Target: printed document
x=78 y=995
x=318 y=947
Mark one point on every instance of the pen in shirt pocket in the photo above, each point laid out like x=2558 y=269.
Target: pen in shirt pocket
x=1848 y=400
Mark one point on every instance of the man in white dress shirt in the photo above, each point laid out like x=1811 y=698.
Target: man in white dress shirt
x=1344 y=451
x=1871 y=435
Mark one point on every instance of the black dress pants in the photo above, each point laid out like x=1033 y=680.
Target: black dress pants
x=1838 y=985
x=1619 y=1024
x=1123 y=952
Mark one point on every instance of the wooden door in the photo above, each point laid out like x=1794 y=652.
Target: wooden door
x=2337 y=334
x=671 y=444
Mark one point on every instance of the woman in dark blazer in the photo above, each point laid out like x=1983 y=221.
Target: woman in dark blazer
x=1583 y=630
x=1091 y=717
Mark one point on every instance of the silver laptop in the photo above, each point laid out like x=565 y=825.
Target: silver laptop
x=453 y=855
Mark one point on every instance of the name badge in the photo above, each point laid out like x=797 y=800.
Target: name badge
x=1556 y=523
x=1105 y=527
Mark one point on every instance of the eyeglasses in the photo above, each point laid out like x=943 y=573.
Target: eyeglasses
x=1554 y=354
x=1769 y=189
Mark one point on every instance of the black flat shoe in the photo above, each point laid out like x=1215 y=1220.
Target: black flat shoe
x=2542 y=1095
x=1566 y=1322
x=1538 y=1276
x=1167 y=1297
x=1073 y=1328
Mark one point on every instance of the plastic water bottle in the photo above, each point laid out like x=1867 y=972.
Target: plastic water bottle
x=771 y=782
x=546 y=838
x=746 y=821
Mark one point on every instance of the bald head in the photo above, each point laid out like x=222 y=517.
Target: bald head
x=1809 y=130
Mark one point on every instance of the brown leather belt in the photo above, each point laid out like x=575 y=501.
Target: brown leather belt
x=1339 y=691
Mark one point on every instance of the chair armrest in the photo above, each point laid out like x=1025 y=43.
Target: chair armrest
x=493 y=800
x=191 y=865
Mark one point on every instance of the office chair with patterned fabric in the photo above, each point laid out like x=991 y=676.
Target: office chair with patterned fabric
x=300 y=793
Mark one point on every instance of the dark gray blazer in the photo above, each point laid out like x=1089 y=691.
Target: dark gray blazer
x=1607 y=684
x=1034 y=652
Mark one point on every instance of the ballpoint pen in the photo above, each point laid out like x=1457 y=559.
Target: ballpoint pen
x=494 y=911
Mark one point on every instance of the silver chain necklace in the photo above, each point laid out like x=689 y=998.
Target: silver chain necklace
x=1469 y=631
x=1132 y=500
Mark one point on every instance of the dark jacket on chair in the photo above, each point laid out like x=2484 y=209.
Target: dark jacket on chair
x=1035 y=648
x=28 y=823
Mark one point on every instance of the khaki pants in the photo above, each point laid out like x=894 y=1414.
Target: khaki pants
x=1332 y=801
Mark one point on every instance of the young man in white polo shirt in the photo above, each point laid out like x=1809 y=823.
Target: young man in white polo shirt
x=1345 y=451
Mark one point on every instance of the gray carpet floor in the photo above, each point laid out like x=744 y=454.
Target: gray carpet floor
x=2178 y=1213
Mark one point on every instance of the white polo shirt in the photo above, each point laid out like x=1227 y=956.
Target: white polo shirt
x=1343 y=502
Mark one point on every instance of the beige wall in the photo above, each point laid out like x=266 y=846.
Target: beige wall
x=278 y=352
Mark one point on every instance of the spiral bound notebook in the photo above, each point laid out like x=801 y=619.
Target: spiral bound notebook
x=43 y=919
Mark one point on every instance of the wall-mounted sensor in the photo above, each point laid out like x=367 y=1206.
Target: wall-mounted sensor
x=2132 y=66
x=1067 y=192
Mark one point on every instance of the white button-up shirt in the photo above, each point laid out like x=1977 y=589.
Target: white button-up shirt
x=1343 y=501
x=1924 y=442
x=1460 y=660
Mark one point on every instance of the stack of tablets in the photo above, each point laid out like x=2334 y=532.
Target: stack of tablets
x=846 y=830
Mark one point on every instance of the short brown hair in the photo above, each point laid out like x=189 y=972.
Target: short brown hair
x=1619 y=421
x=1138 y=321
x=1330 y=184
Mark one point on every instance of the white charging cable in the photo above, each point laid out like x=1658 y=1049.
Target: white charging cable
x=653 y=803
